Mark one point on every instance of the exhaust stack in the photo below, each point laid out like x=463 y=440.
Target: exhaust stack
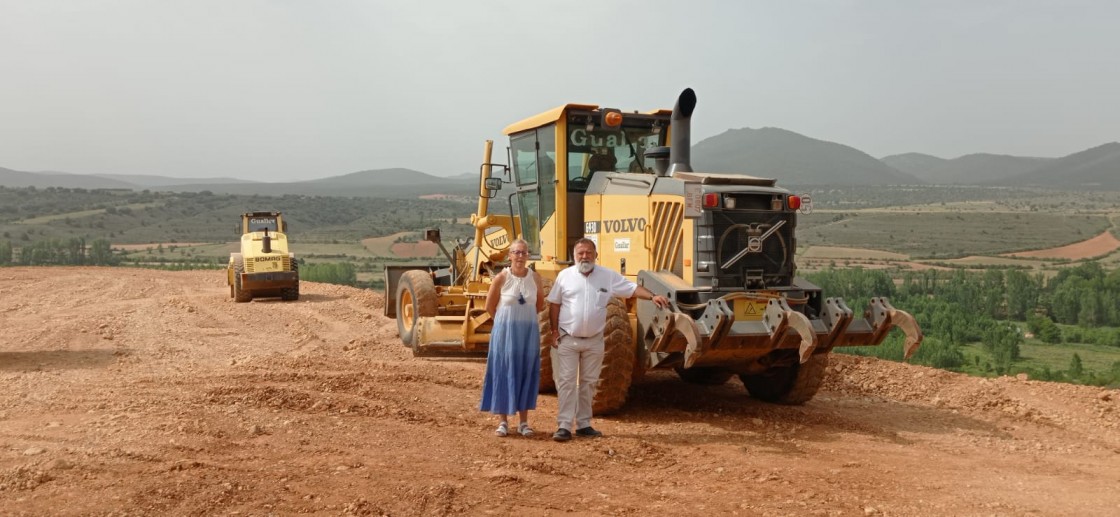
x=680 y=145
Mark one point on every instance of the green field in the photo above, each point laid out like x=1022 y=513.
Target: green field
x=1038 y=356
x=945 y=235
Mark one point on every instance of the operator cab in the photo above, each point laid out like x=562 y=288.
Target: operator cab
x=580 y=141
x=271 y=222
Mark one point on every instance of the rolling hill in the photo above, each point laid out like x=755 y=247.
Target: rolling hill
x=789 y=157
x=916 y=164
x=793 y=159
x=1098 y=167
x=972 y=169
x=381 y=177
x=21 y=179
x=151 y=181
x=370 y=183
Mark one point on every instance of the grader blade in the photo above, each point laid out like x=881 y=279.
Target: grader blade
x=443 y=336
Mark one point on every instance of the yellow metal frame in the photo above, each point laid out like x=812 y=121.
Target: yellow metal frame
x=463 y=318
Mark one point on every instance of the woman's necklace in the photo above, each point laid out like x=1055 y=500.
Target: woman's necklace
x=520 y=293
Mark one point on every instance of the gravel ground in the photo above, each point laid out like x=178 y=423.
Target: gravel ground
x=138 y=392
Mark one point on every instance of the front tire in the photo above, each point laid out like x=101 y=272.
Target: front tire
x=792 y=385
x=292 y=293
x=416 y=298
x=548 y=383
x=240 y=295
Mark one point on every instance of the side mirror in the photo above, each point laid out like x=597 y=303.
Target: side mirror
x=284 y=227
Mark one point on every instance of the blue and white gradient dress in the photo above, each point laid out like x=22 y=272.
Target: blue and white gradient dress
x=513 y=364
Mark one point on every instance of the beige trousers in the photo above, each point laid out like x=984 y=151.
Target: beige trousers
x=575 y=368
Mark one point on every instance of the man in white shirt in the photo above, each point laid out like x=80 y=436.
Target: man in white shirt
x=578 y=314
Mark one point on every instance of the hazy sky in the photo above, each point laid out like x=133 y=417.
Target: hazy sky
x=290 y=90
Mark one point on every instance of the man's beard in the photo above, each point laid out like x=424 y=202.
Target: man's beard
x=586 y=266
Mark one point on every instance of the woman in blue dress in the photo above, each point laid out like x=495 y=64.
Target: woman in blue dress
x=513 y=363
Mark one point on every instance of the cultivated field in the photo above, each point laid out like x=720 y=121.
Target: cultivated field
x=1098 y=246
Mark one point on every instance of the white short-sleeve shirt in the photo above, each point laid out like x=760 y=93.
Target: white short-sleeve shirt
x=583 y=299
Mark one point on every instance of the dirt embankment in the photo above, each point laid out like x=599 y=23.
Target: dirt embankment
x=147 y=392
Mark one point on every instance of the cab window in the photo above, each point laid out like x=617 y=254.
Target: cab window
x=262 y=223
x=546 y=166
x=595 y=149
x=533 y=155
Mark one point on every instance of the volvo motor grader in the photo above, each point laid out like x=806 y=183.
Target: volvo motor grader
x=264 y=266
x=720 y=247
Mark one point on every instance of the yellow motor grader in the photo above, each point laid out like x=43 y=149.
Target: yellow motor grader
x=264 y=267
x=719 y=246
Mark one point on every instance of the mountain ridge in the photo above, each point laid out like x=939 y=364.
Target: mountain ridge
x=789 y=157
x=973 y=169
x=1092 y=168
x=792 y=158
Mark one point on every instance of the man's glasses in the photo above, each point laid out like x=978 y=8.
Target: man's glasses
x=519 y=253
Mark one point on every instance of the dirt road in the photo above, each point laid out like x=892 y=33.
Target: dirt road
x=145 y=392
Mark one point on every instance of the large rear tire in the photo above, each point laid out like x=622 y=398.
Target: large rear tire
x=793 y=385
x=292 y=293
x=548 y=383
x=618 y=360
x=240 y=295
x=416 y=298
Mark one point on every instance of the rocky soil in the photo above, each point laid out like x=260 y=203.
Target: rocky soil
x=137 y=392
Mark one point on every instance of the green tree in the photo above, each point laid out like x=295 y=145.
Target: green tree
x=1065 y=300
x=1044 y=329
x=342 y=273
x=1084 y=295
x=855 y=285
x=1091 y=313
x=74 y=252
x=1076 y=369
x=939 y=354
x=992 y=293
x=962 y=290
x=100 y=253
x=1002 y=341
x=1022 y=294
